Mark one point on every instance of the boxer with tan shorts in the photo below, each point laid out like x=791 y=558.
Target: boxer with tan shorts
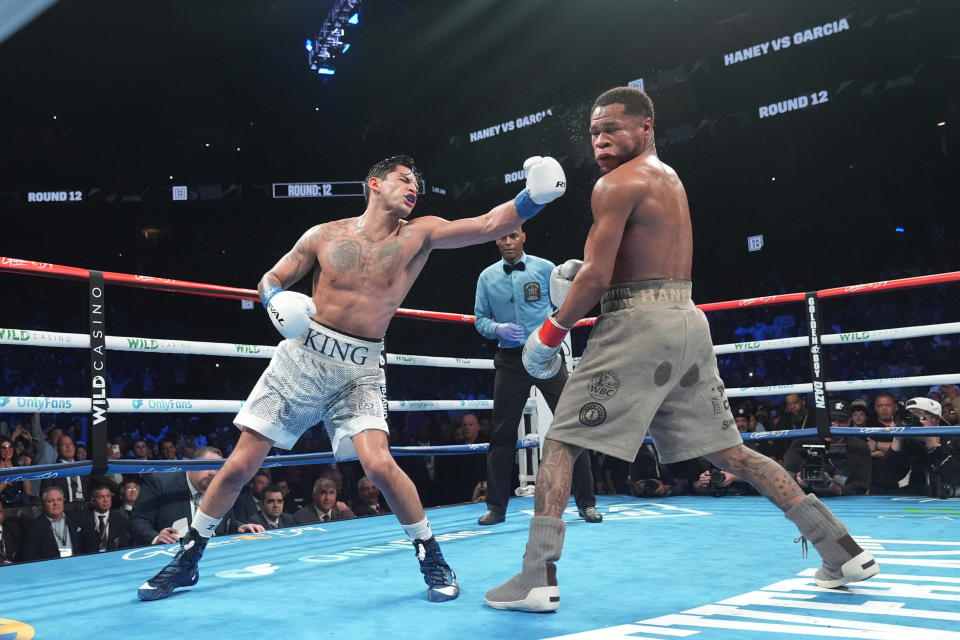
x=662 y=377
x=649 y=362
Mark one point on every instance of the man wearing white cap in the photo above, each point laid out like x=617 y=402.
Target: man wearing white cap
x=909 y=458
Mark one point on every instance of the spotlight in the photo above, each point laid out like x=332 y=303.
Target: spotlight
x=328 y=43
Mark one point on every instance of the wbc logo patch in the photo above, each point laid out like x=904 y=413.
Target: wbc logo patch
x=531 y=292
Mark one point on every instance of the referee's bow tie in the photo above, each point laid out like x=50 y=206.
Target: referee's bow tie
x=514 y=267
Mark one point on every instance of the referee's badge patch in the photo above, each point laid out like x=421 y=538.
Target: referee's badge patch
x=531 y=292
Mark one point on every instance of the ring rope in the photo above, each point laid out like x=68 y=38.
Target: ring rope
x=31 y=337
x=44 y=404
x=66 y=469
x=19 y=265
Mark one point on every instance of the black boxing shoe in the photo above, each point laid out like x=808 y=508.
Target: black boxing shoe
x=440 y=578
x=491 y=517
x=180 y=572
x=590 y=514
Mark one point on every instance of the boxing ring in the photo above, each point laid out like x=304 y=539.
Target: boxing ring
x=719 y=568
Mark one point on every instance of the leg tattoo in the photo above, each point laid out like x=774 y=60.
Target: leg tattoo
x=554 y=478
x=766 y=476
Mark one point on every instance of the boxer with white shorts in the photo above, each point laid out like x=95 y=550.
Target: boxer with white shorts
x=320 y=376
x=361 y=268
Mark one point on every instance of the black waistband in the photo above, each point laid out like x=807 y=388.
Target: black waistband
x=349 y=335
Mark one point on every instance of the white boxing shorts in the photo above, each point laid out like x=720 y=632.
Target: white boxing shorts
x=323 y=375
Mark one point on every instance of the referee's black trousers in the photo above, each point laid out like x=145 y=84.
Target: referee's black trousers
x=511 y=388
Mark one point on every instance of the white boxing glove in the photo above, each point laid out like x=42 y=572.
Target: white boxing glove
x=561 y=279
x=545 y=183
x=545 y=179
x=290 y=312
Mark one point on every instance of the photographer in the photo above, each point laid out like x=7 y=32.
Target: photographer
x=922 y=465
x=648 y=479
x=832 y=467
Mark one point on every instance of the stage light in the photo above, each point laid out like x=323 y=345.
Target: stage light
x=900 y=230
x=328 y=43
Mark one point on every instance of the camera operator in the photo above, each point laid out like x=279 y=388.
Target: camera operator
x=922 y=465
x=832 y=467
x=648 y=478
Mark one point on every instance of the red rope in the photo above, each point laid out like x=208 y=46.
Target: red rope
x=16 y=265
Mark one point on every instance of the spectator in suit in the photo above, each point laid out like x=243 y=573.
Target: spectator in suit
x=169 y=499
x=325 y=507
x=289 y=505
x=271 y=515
x=129 y=493
x=368 y=499
x=76 y=489
x=55 y=533
x=110 y=525
x=10 y=540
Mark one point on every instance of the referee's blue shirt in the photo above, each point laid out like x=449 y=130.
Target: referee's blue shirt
x=520 y=297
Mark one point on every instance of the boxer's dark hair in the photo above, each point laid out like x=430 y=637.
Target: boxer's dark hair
x=635 y=102
x=385 y=166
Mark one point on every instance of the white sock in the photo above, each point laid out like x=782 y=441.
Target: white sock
x=418 y=530
x=204 y=524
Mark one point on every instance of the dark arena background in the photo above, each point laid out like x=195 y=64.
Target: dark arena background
x=196 y=141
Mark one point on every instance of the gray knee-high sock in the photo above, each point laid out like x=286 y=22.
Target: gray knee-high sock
x=827 y=534
x=544 y=547
x=543 y=550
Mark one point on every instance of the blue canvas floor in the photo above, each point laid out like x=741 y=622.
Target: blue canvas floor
x=697 y=567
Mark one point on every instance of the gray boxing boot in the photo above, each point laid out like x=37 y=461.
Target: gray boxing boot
x=535 y=587
x=844 y=560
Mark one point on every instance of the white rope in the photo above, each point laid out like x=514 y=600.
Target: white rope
x=32 y=404
x=29 y=337
x=899 y=333
x=847 y=385
x=433 y=361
